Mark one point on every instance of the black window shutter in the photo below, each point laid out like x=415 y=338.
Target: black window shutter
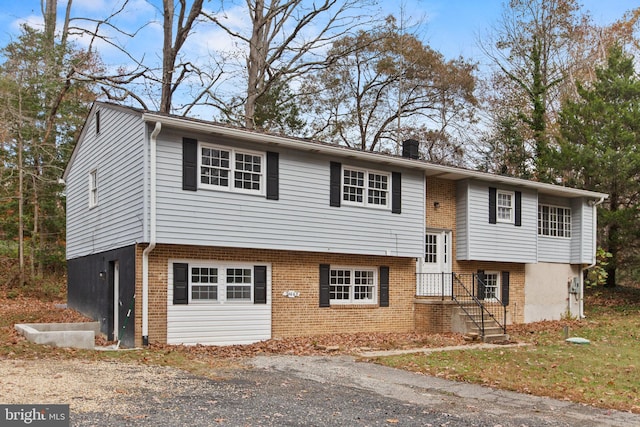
x=260 y=284
x=481 y=279
x=324 y=285
x=518 y=209
x=180 y=283
x=504 y=291
x=396 y=192
x=493 y=205
x=273 y=173
x=189 y=164
x=384 y=286
x=334 y=183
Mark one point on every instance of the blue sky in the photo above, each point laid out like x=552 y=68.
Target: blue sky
x=452 y=26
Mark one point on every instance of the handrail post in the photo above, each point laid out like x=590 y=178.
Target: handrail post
x=504 y=318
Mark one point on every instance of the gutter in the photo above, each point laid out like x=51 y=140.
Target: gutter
x=152 y=236
x=594 y=247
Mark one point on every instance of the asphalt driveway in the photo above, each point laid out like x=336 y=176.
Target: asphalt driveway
x=337 y=391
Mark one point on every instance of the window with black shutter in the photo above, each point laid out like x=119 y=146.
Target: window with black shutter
x=334 y=184
x=384 y=286
x=504 y=294
x=189 y=164
x=273 y=173
x=396 y=192
x=180 y=283
x=324 y=285
x=260 y=284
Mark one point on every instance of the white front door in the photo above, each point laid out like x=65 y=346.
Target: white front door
x=436 y=260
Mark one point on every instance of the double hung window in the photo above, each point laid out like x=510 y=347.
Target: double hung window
x=93 y=188
x=231 y=169
x=220 y=283
x=491 y=285
x=505 y=205
x=365 y=188
x=352 y=285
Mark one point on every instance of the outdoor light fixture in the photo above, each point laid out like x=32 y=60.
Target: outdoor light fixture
x=436 y=205
x=102 y=274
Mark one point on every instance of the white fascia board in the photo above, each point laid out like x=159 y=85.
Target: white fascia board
x=430 y=169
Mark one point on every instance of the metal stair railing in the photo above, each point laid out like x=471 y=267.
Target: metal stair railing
x=478 y=310
x=462 y=288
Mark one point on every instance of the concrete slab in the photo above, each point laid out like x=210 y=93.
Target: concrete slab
x=481 y=346
x=75 y=335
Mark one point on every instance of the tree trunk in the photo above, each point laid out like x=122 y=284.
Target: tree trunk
x=35 y=235
x=612 y=240
x=255 y=62
x=20 y=212
x=168 y=57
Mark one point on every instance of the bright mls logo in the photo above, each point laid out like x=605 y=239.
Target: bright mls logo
x=34 y=415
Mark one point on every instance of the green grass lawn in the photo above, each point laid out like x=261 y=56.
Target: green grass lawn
x=604 y=373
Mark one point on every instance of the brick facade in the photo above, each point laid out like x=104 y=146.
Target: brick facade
x=297 y=271
x=441 y=214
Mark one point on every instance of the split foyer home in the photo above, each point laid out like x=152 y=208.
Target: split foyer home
x=183 y=231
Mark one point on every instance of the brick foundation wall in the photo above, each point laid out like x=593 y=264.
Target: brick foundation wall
x=296 y=271
x=433 y=316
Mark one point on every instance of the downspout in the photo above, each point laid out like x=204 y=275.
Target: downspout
x=152 y=235
x=594 y=249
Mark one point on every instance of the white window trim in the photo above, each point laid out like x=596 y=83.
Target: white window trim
x=222 y=281
x=93 y=188
x=550 y=206
x=498 y=285
x=512 y=215
x=351 y=300
x=365 y=198
x=232 y=154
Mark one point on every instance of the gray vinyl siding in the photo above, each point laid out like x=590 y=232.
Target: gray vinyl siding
x=117 y=155
x=582 y=245
x=496 y=242
x=211 y=323
x=578 y=248
x=300 y=220
x=558 y=249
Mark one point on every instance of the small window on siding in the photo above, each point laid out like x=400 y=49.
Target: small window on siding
x=365 y=187
x=93 y=188
x=231 y=170
x=505 y=205
x=220 y=283
x=98 y=122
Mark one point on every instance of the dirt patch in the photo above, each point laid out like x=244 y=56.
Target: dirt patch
x=87 y=386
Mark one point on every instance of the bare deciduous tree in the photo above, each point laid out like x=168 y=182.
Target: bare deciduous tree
x=380 y=76
x=286 y=40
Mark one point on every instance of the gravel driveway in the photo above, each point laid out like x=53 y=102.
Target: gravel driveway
x=280 y=391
